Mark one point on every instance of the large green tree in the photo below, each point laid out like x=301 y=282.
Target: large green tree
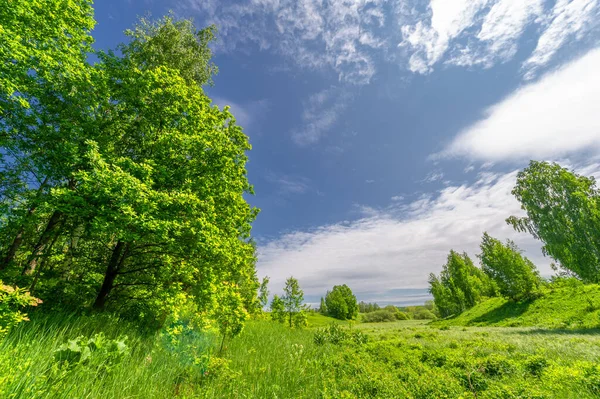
x=563 y=211
x=514 y=274
x=341 y=303
x=122 y=184
x=459 y=286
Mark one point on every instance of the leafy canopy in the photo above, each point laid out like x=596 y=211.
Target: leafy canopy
x=341 y=303
x=563 y=211
x=514 y=274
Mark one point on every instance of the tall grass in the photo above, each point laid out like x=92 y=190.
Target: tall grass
x=28 y=368
x=409 y=359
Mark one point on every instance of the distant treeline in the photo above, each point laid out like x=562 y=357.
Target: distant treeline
x=372 y=312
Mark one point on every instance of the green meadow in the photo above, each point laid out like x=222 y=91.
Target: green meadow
x=402 y=359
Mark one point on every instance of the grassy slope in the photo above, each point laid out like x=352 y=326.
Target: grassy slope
x=319 y=320
x=563 y=307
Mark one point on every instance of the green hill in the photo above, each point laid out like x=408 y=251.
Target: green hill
x=319 y=320
x=569 y=305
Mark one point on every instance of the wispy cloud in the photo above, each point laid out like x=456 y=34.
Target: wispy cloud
x=351 y=36
x=397 y=247
x=314 y=33
x=568 y=19
x=321 y=112
x=289 y=185
x=551 y=118
x=433 y=176
x=246 y=114
x=485 y=32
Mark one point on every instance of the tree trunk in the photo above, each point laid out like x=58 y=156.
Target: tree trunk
x=43 y=262
x=44 y=239
x=18 y=240
x=116 y=259
x=12 y=250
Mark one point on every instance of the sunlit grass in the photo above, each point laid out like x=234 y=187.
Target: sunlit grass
x=413 y=359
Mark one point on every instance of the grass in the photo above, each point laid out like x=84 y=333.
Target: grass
x=411 y=359
x=318 y=320
x=575 y=306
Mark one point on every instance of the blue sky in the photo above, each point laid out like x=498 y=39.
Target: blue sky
x=387 y=132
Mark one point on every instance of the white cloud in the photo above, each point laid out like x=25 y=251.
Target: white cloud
x=433 y=177
x=553 y=117
x=399 y=246
x=321 y=112
x=289 y=184
x=448 y=20
x=485 y=32
x=505 y=23
x=569 y=17
x=313 y=33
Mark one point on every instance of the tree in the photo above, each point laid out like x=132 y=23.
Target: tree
x=514 y=274
x=292 y=301
x=364 y=307
x=341 y=303
x=125 y=185
x=563 y=211
x=460 y=285
x=228 y=311
x=277 y=309
x=263 y=292
x=323 y=307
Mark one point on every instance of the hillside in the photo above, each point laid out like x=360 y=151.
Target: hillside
x=570 y=306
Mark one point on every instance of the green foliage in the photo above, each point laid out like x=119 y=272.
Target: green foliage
x=364 y=307
x=515 y=276
x=422 y=314
x=176 y=43
x=390 y=360
x=293 y=299
x=277 y=309
x=263 y=292
x=125 y=185
x=564 y=304
x=98 y=352
x=12 y=301
x=335 y=334
x=228 y=311
x=323 y=306
x=58 y=38
x=563 y=211
x=379 y=316
x=340 y=303
x=460 y=285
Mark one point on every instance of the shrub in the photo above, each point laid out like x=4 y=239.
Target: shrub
x=98 y=353
x=424 y=314
x=379 y=316
x=12 y=300
x=336 y=334
x=536 y=365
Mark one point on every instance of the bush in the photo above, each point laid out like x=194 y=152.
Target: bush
x=424 y=314
x=401 y=315
x=98 y=354
x=379 y=316
x=335 y=334
x=12 y=300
